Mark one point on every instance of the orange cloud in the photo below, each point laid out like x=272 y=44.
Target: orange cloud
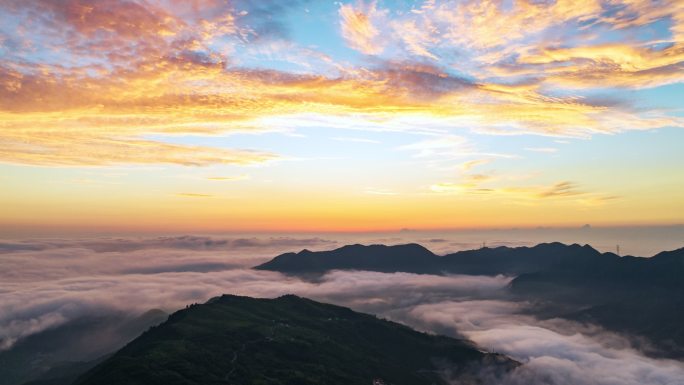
x=490 y=34
x=161 y=77
x=417 y=37
x=78 y=119
x=487 y=24
x=123 y=18
x=467 y=166
x=194 y=195
x=560 y=189
x=47 y=149
x=358 y=28
x=614 y=65
x=228 y=178
x=484 y=186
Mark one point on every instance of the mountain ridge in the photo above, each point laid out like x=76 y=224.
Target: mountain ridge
x=415 y=258
x=287 y=340
x=407 y=256
x=631 y=295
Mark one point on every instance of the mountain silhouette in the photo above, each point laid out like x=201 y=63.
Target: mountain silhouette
x=636 y=296
x=631 y=295
x=410 y=257
x=414 y=258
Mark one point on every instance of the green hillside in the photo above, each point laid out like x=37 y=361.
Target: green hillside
x=288 y=340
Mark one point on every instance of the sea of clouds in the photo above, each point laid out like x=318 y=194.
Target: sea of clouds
x=50 y=282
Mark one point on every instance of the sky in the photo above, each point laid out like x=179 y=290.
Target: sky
x=306 y=116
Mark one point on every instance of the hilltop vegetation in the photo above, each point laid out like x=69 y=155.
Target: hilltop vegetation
x=288 y=340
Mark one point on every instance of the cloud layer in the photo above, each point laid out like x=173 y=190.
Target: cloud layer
x=86 y=82
x=49 y=287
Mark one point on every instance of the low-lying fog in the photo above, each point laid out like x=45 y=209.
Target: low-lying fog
x=46 y=283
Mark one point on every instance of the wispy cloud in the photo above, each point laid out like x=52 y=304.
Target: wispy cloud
x=469 y=165
x=487 y=185
x=37 y=147
x=227 y=178
x=358 y=28
x=193 y=195
x=595 y=201
x=561 y=189
x=549 y=150
x=112 y=73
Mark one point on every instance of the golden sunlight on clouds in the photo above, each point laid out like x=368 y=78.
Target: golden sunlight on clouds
x=172 y=82
x=467 y=166
x=358 y=29
x=228 y=178
x=96 y=121
x=38 y=147
x=486 y=24
x=193 y=195
x=616 y=64
x=366 y=113
x=476 y=185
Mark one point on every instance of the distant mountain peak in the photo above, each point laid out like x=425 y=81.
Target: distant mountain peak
x=415 y=258
x=670 y=255
x=357 y=256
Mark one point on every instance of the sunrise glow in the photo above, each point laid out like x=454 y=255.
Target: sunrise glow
x=211 y=115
